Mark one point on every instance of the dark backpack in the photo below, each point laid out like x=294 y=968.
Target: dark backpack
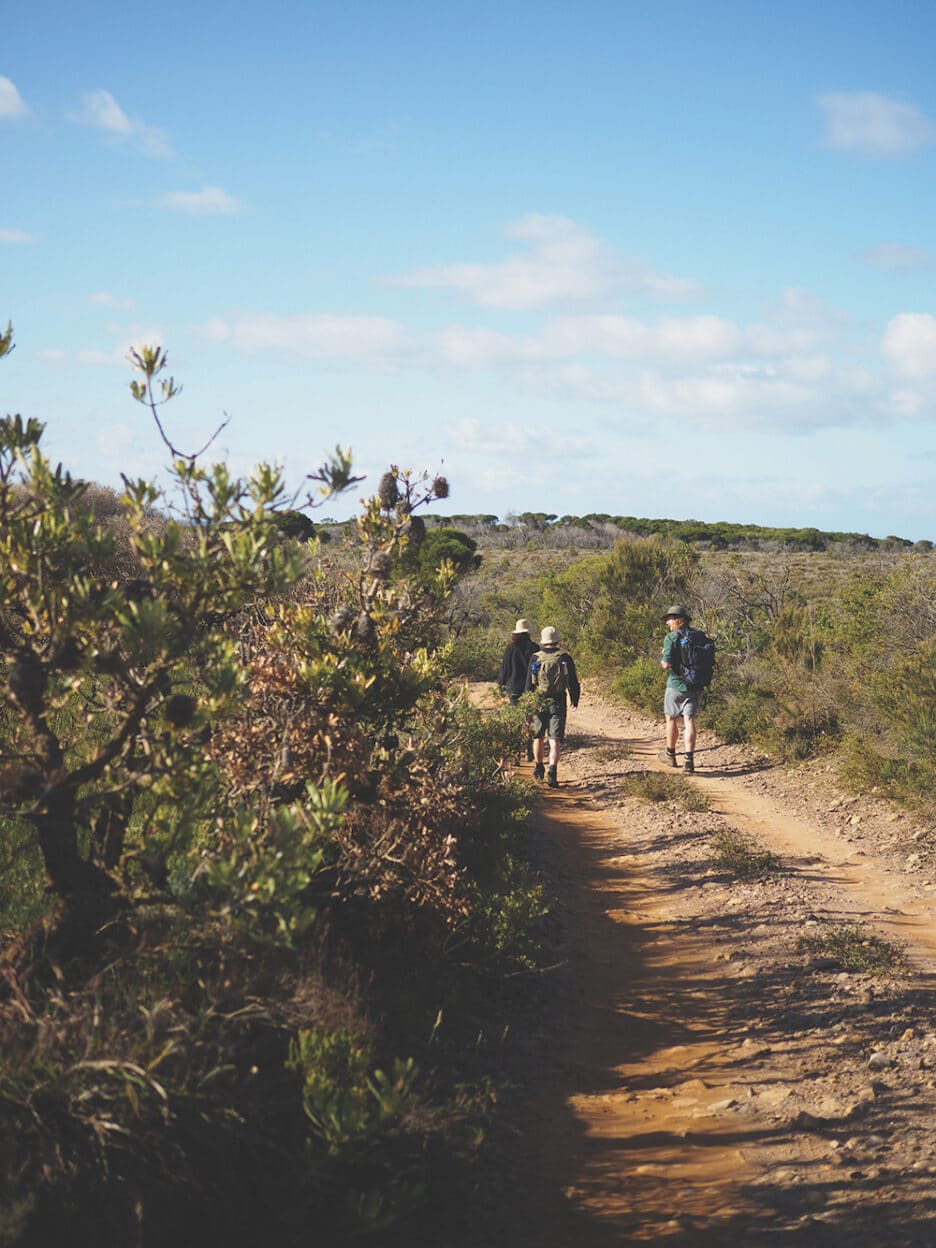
x=549 y=673
x=696 y=658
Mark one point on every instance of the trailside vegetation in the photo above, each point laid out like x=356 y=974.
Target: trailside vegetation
x=261 y=875
x=817 y=651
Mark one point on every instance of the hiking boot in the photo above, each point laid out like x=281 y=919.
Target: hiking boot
x=668 y=757
x=689 y=764
x=551 y=778
x=539 y=771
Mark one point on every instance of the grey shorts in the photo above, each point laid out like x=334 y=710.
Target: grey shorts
x=551 y=720
x=676 y=703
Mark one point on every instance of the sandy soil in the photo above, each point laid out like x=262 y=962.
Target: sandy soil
x=695 y=1075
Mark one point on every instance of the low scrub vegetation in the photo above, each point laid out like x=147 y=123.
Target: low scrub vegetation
x=739 y=855
x=261 y=876
x=853 y=949
x=661 y=786
x=823 y=648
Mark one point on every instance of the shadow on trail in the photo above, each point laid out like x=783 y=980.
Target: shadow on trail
x=637 y=1009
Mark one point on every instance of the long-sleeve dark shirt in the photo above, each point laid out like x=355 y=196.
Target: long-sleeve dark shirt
x=513 y=669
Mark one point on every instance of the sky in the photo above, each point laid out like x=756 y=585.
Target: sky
x=668 y=260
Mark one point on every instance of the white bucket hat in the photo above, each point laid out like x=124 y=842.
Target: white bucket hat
x=522 y=626
x=549 y=636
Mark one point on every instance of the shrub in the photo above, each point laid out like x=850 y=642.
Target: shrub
x=739 y=855
x=660 y=786
x=641 y=684
x=853 y=949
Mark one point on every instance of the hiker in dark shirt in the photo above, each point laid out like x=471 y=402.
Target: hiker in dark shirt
x=552 y=674
x=513 y=669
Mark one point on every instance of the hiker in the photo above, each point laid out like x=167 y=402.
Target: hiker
x=552 y=674
x=678 y=699
x=516 y=661
x=514 y=667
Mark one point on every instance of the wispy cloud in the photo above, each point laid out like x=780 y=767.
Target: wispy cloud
x=131 y=337
x=210 y=201
x=17 y=236
x=874 y=125
x=910 y=344
x=100 y=111
x=374 y=339
x=12 y=105
x=804 y=366
x=563 y=262
x=103 y=299
x=897 y=258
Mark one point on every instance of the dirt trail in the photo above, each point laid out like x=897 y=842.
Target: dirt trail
x=702 y=1080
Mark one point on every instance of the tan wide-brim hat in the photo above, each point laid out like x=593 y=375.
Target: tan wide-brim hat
x=521 y=626
x=549 y=636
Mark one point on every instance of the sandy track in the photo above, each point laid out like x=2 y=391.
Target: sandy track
x=698 y=1079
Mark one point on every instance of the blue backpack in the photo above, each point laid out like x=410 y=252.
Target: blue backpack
x=696 y=658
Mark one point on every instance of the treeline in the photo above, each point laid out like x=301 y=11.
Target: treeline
x=261 y=883
x=600 y=528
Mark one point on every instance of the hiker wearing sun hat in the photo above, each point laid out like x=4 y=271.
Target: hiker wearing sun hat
x=679 y=700
x=513 y=669
x=552 y=674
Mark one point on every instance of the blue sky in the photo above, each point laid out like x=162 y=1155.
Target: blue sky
x=668 y=260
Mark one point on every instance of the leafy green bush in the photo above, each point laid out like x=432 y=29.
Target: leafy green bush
x=662 y=786
x=248 y=780
x=739 y=855
x=853 y=949
x=641 y=684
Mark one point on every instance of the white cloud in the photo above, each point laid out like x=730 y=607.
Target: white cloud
x=100 y=111
x=12 y=105
x=874 y=125
x=511 y=439
x=103 y=299
x=563 y=262
x=804 y=368
x=17 y=236
x=910 y=344
x=897 y=258
x=131 y=337
x=210 y=201
x=371 y=339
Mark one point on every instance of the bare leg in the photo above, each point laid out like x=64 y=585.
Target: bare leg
x=672 y=732
x=689 y=733
x=538 y=749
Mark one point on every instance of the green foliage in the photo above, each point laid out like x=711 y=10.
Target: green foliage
x=294 y=524
x=608 y=607
x=743 y=714
x=346 y=1101
x=662 y=786
x=263 y=871
x=445 y=546
x=238 y=766
x=853 y=949
x=738 y=855
x=97 y=672
x=640 y=684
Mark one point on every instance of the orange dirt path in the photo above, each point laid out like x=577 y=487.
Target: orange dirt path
x=651 y=1054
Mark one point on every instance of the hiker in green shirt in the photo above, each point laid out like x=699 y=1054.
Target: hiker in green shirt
x=679 y=701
